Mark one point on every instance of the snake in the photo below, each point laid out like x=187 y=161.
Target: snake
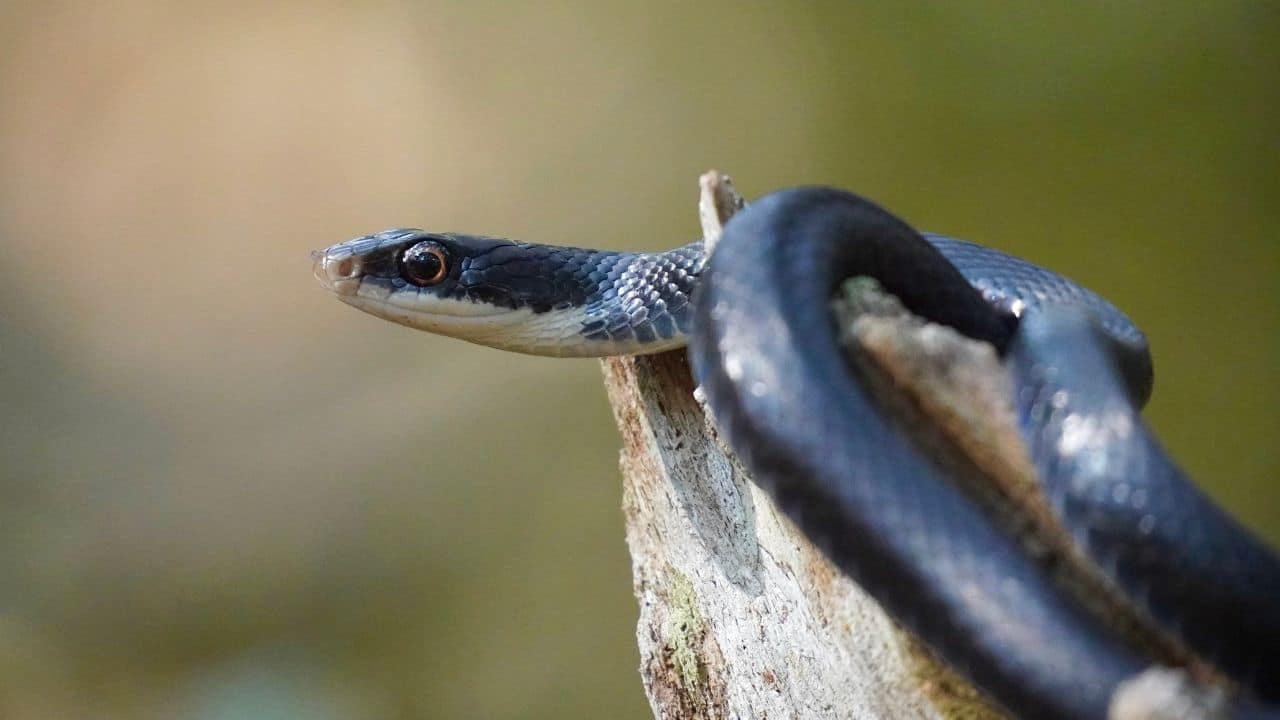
x=764 y=345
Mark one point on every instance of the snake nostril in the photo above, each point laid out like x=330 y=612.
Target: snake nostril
x=346 y=267
x=339 y=274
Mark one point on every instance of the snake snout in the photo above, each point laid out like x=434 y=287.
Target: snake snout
x=339 y=272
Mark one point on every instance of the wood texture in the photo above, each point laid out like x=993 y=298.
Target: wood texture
x=740 y=617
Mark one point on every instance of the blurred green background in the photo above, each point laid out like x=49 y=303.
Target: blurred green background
x=226 y=495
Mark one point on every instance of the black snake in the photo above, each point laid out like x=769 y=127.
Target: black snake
x=764 y=346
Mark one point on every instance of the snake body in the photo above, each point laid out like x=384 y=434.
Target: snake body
x=763 y=344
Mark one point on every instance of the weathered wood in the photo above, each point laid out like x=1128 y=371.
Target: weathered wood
x=740 y=617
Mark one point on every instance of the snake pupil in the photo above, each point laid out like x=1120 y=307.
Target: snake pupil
x=424 y=264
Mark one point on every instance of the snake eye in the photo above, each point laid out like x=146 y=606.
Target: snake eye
x=426 y=263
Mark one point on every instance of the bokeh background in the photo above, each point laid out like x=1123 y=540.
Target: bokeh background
x=225 y=495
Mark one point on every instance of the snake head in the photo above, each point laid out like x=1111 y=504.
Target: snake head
x=402 y=260
x=517 y=296
x=425 y=280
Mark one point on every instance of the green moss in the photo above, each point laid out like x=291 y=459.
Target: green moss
x=950 y=694
x=684 y=633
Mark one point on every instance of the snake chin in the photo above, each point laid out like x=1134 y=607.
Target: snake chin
x=457 y=319
x=514 y=329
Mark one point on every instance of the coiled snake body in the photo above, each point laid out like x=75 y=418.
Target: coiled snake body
x=763 y=344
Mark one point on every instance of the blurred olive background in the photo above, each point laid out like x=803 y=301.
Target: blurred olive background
x=225 y=495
